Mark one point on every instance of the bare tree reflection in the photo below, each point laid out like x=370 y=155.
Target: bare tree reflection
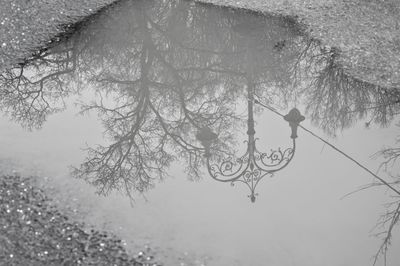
x=335 y=100
x=386 y=224
x=181 y=69
x=34 y=89
x=172 y=68
x=390 y=219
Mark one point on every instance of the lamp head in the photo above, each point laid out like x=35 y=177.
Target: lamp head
x=294 y=118
x=206 y=138
x=253 y=198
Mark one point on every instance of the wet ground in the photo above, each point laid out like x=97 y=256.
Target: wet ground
x=28 y=25
x=158 y=106
x=34 y=232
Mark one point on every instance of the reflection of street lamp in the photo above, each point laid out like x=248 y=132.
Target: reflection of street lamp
x=253 y=165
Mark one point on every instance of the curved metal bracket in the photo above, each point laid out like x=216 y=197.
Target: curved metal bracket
x=251 y=167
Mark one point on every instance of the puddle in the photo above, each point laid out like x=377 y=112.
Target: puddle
x=143 y=97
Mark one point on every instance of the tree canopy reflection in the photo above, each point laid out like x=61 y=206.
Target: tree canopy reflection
x=174 y=67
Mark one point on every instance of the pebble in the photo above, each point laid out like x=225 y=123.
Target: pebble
x=46 y=227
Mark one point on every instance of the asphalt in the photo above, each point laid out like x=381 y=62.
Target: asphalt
x=366 y=32
x=28 y=25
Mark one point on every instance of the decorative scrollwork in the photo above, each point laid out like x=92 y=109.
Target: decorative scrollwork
x=229 y=169
x=275 y=159
x=251 y=167
x=254 y=165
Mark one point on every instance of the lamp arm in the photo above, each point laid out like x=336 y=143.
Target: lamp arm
x=286 y=156
x=293 y=150
x=222 y=172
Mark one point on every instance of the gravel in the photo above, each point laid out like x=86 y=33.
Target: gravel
x=28 y=25
x=33 y=232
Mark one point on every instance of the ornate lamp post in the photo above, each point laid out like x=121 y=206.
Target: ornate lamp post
x=254 y=165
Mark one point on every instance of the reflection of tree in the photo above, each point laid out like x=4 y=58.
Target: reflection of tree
x=173 y=68
x=32 y=90
x=335 y=100
x=391 y=218
x=180 y=70
x=386 y=224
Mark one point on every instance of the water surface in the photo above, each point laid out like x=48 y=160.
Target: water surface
x=122 y=102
